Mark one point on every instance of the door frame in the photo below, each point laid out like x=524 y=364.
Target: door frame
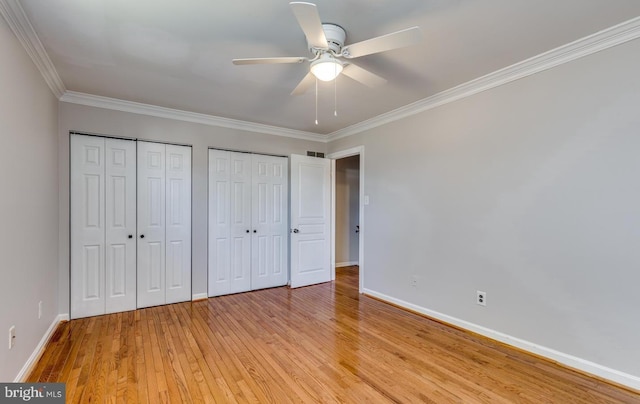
x=354 y=151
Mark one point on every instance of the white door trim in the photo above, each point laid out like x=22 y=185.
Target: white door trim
x=354 y=151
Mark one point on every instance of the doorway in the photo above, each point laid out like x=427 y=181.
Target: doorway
x=347 y=213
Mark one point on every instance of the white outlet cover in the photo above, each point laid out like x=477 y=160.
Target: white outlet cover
x=12 y=336
x=481 y=298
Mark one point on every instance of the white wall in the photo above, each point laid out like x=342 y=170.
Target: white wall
x=347 y=209
x=28 y=204
x=529 y=192
x=81 y=118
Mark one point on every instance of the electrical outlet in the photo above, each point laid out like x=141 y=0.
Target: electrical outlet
x=481 y=298
x=12 y=336
x=40 y=310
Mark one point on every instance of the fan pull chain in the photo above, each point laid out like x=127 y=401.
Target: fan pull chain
x=335 y=91
x=316 y=100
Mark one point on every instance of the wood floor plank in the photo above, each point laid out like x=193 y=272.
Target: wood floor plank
x=141 y=378
x=194 y=375
x=324 y=343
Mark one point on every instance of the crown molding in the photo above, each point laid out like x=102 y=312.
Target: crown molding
x=194 y=117
x=17 y=20
x=19 y=23
x=605 y=39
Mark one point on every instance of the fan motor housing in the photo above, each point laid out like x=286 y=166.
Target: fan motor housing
x=336 y=36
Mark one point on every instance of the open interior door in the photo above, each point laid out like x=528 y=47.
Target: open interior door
x=310 y=220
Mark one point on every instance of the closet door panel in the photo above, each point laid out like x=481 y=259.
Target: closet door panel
x=219 y=267
x=241 y=228
x=151 y=224
x=120 y=204
x=229 y=222
x=269 y=211
x=178 y=223
x=87 y=226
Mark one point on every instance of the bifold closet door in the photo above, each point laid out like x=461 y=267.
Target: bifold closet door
x=229 y=222
x=164 y=224
x=248 y=216
x=103 y=224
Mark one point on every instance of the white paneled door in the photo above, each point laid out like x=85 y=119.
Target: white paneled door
x=269 y=243
x=247 y=222
x=178 y=224
x=103 y=224
x=87 y=226
x=310 y=220
x=151 y=223
x=164 y=224
x=120 y=281
x=229 y=222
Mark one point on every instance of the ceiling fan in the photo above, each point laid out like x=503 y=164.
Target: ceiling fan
x=326 y=44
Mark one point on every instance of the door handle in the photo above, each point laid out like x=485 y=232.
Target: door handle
x=247 y=230
x=130 y=236
x=142 y=236
x=255 y=231
x=295 y=231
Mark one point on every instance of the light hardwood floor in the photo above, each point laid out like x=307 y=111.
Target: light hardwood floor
x=321 y=343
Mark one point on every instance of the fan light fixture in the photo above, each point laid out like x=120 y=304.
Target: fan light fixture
x=325 y=42
x=326 y=68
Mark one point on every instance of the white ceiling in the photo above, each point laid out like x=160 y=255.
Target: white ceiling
x=177 y=54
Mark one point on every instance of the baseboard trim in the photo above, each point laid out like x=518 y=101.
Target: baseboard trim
x=346 y=264
x=35 y=355
x=199 y=296
x=579 y=364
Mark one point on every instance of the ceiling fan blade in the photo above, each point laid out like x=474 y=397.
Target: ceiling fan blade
x=304 y=84
x=309 y=20
x=395 y=40
x=257 y=61
x=363 y=76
